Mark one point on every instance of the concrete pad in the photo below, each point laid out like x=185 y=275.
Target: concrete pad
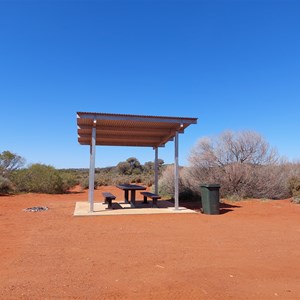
x=121 y=208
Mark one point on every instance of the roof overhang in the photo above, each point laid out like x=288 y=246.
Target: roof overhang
x=129 y=130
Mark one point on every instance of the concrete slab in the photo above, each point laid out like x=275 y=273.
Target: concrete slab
x=121 y=208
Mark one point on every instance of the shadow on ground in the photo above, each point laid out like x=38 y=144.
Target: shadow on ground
x=74 y=192
x=196 y=206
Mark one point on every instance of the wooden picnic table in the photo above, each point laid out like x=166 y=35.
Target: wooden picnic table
x=133 y=188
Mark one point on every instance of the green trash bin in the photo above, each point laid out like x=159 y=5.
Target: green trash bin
x=210 y=198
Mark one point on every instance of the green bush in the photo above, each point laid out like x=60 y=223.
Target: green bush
x=5 y=185
x=103 y=179
x=294 y=185
x=136 y=179
x=69 y=180
x=39 y=178
x=120 y=179
x=84 y=183
x=148 y=180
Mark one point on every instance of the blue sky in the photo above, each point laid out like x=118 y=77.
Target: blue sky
x=232 y=64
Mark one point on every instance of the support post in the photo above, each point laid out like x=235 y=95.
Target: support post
x=176 y=173
x=156 y=171
x=92 y=167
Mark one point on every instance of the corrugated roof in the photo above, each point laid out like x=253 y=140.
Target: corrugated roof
x=129 y=130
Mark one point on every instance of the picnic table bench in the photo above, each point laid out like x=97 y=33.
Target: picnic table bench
x=154 y=198
x=108 y=199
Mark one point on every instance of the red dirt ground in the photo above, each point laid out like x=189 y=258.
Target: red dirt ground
x=250 y=251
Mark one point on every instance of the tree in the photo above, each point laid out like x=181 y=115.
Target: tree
x=123 y=168
x=240 y=162
x=246 y=147
x=135 y=166
x=150 y=165
x=134 y=163
x=9 y=162
x=130 y=166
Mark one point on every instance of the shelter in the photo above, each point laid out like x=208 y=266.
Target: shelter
x=106 y=129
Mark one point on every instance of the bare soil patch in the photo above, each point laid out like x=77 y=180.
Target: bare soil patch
x=250 y=251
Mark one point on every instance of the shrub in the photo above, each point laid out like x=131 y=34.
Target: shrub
x=166 y=183
x=294 y=185
x=296 y=200
x=69 y=180
x=242 y=162
x=85 y=182
x=136 y=179
x=5 y=185
x=148 y=180
x=270 y=181
x=123 y=167
x=39 y=178
x=166 y=186
x=103 y=179
x=120 y=179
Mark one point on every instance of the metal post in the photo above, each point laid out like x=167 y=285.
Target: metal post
x=176 y=173
x=156 y=171
x=92 y=168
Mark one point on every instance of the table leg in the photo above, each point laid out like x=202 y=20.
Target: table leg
x=145 y=200
x=126 y=196
x=132 y=200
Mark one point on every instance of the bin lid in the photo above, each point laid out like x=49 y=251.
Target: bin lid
x=210 y=185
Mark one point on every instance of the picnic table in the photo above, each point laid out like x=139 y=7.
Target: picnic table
x=133 y=188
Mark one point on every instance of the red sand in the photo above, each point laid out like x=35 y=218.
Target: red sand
x=250 y=251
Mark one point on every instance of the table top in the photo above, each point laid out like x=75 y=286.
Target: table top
x=131 y=187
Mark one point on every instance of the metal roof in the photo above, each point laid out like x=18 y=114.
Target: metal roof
x=129 y=130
